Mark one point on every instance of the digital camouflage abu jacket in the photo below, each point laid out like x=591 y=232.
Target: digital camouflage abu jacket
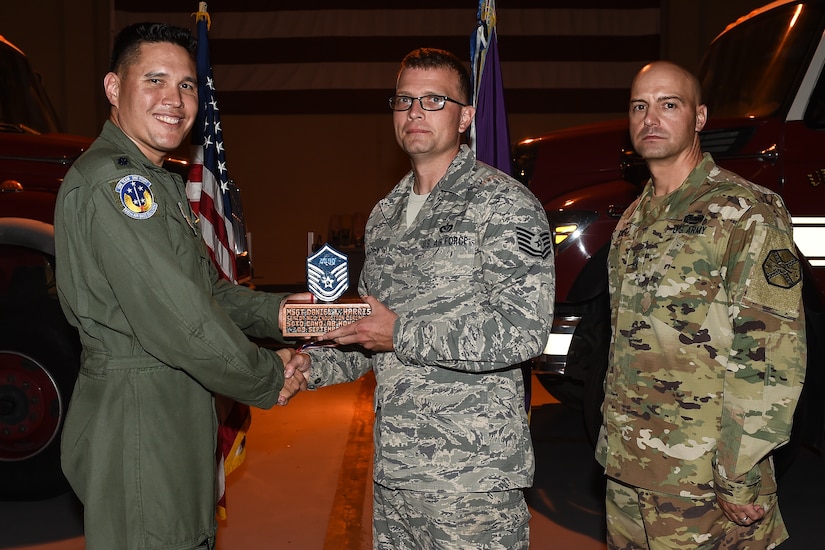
x=472 y=282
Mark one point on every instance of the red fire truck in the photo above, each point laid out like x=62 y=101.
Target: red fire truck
x=764 y=86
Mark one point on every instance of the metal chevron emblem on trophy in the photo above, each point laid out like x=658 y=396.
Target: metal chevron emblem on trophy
x=327 y=274
x=328 y=280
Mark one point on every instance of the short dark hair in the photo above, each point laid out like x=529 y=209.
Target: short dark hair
x=433 y=58
x=128 y=40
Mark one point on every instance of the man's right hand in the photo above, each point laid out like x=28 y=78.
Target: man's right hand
x=293 y=382
x=299 y=362
x=292 y=385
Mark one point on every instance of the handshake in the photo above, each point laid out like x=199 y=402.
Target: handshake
x=296 y=368
x=373 y=332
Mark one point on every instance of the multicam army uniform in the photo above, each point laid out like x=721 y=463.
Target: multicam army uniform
x=472 y=283
x=708 y=354
x=159 y=331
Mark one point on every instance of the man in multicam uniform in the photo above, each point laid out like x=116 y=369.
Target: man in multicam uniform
x=460 y=292
x=708 y=353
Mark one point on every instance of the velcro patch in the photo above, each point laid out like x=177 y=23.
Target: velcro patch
x=136 y=197
x=776 y=286
x=538 y=245
x=781 y=268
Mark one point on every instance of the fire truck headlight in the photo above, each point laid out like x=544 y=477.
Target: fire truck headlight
x=568 y=226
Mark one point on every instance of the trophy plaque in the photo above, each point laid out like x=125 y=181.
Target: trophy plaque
x=327 y=279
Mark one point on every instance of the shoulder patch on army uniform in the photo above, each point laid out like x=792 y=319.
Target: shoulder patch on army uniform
x=539 y=245
x=775 y=275
x=781 y=268
x=136 y=197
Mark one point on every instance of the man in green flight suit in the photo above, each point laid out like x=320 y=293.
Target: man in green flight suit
x=160 y=331
x=708 y=350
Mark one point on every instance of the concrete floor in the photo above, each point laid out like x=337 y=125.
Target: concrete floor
x=305 y=484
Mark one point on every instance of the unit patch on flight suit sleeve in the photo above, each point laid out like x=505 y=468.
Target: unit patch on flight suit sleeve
x=136 y=197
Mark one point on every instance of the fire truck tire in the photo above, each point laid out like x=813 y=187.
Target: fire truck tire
x=582 y=386
x=809 y=417
x=567 y=391
x=592 y=401
x=595 y=329
x=39 y=362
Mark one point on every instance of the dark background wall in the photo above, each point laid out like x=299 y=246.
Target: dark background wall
x=296 y=172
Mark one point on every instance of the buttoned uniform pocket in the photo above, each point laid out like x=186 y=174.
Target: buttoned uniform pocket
x=683 y=283
x=186 y=240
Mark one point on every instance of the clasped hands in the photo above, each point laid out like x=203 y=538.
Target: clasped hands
x=373 y=332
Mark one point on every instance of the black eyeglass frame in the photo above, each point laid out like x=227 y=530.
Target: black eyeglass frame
x=421 y=103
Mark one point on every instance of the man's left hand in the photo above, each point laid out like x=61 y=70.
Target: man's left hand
x=373 y=332
x=741 y=514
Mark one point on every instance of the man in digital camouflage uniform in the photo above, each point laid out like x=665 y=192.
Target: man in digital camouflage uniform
x=160 y=331
x=459 y=275
x=708 y=353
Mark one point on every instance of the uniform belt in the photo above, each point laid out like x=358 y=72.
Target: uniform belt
x=95 y=363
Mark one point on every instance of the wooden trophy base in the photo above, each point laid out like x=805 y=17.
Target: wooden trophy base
x=302 y=319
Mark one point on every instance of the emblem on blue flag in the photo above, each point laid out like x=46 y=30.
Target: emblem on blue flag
x=327 y=274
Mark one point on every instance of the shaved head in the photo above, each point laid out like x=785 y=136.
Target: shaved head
x=677 y=74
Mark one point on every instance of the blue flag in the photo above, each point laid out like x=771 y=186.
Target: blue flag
x=490 y=134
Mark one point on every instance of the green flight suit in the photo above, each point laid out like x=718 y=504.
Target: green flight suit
x=160 y=333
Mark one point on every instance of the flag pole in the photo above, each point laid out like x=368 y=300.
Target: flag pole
x=207 y=189
x=489 y=131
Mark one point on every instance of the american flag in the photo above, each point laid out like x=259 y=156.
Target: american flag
x=208 y=191
x=208 y=187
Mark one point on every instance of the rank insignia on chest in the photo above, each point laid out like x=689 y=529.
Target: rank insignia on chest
x=782 y=268
x=136 y=197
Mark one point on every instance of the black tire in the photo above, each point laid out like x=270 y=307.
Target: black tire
x=582 y=386
x=596 y=334
x=592 y=402
x=568 y=391
x=809 y=417
x=39 y=362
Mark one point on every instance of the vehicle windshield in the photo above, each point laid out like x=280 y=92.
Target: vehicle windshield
x=24 y=107
x=752 y=70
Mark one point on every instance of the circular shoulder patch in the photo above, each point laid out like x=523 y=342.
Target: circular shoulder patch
x=136 y=197
x=781 y=268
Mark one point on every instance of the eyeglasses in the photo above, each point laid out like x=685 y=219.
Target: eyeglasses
x=427 y=102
